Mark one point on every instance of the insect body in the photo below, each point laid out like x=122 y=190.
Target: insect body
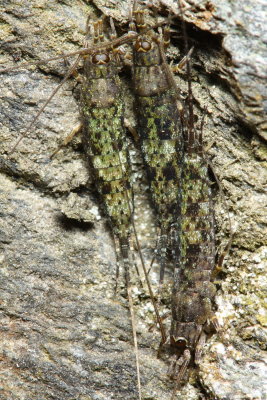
x=159 y=129
x=194 y=291
x=105 y=141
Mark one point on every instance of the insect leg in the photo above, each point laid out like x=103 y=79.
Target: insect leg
x=68 y=139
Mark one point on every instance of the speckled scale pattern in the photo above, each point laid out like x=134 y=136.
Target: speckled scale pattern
x=160 y=132
x=194 y=292
x=105 y=142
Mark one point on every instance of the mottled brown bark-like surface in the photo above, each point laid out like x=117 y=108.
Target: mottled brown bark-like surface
x=63 y=334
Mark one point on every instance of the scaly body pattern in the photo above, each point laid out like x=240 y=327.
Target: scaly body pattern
x=193 y=293
x=159 y=128
x=104 y=140
x=193 y=290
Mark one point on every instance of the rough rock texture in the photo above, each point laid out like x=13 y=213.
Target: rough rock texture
x=63 y=333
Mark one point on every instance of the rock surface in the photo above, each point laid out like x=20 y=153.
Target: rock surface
x=63 y=333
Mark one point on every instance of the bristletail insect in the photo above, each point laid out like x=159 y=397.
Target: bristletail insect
x=159 y=126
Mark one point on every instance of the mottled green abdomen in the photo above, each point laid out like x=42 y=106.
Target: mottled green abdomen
x=106 y=145
x=193 y=291
x=197 y=219
x=160 y=136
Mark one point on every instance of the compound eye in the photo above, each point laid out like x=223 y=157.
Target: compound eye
x=146 y=45
x=143 y=46
x=100 y=59
x=179 y=342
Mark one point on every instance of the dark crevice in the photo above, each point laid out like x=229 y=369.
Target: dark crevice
x=70 y=224
x=196 y=37
x=245 y=130
x=213 y=78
